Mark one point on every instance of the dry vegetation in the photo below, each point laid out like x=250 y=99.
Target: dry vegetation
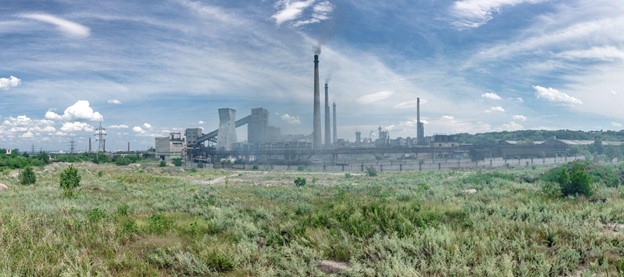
x=134 y=221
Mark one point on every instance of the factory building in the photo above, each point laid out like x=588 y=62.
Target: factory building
x=170 y=147
x=257 y=126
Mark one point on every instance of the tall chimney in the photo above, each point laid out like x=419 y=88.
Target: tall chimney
x=420 y=127
x=417 y=110
x=316 y=135
x=335 y=133
x=327 y=124
x=89 y=151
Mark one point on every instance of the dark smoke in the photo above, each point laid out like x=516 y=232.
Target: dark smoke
x=317 y=49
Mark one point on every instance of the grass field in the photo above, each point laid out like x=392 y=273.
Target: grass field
x=135 y=221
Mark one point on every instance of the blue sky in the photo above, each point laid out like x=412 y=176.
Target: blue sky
x=145 y=68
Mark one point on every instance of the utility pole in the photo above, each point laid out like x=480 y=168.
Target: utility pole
x=100 y=134
x=32 y=149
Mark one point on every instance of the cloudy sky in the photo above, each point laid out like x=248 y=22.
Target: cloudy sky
x=145 y=68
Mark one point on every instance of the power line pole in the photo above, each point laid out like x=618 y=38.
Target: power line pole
x=100 y=134
x=32 y=149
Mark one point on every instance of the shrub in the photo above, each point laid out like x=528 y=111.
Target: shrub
x=27 y=176
x=70 y=179
x=100 y=174
x=348 y=175
x=300 y=182
x=200 y=165
x=255 y=167
x=162 y=164
x=578 y=182
x=177 y=161
x=371 y=171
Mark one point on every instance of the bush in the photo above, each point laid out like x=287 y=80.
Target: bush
x=577 y=182
x=177 y=161
x=162 y=164
x=70 y=179
x=27 y=176
x=371 y=172
x=300 y=182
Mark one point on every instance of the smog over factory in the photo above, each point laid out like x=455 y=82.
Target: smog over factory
x=318 y=75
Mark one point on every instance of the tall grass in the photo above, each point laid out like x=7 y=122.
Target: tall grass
x=130 y=223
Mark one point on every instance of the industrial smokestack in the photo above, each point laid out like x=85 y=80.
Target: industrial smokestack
x=327 y=124
x=335 y=133
x=420 y=128
x=418 y=110
x=316 y=135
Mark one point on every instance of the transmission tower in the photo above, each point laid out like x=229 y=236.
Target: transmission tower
x=100 y=133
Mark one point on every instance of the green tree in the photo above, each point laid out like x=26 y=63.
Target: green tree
x=162 y=164
x=27 y=176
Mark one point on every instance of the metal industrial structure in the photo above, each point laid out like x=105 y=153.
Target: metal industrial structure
x=265 y=143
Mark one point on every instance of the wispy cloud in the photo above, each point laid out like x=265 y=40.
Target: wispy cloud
x=496 y=109
x=291 y=119
x=114 y=102
x=491 y=95
x=474 y=13
x=69 y=28
x=375 y=97
x=8 y=83
x=555 y=96
x=607 y=53
x=290 y=10
x=120 y=126
x=520 y=117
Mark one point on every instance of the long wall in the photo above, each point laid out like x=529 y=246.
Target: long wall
x=425 y=165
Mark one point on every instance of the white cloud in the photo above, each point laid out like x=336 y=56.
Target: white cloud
x=28 y=134
x=321 y=11
x=114 y=101
x=77 y=126
x=138 y=129
x=147 y=126
x=69 y=28
x=495 y=109
x=519 y=100
x=555 y=96
x=201 y=122
x=374 y=97
x=491 y=95
x=290 y=10
x=474 y=13
x=596 y=53
x=616 y=125
x=291 y=119
x=519 y=117
x=120 y=126
x=81 y=110
x=448 y=117
x=11 y=82
x=512 y=126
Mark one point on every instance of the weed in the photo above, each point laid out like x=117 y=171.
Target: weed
x=300 y=182
x=371 y=171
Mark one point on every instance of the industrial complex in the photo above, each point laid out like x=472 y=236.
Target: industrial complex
x=265 y=144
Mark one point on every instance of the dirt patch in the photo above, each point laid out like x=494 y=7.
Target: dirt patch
x=333 y=267
x=3 y=187
x=614 y=229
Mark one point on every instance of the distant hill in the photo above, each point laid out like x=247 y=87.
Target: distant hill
x=540 y=135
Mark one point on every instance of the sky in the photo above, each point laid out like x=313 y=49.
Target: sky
x=147 y=68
